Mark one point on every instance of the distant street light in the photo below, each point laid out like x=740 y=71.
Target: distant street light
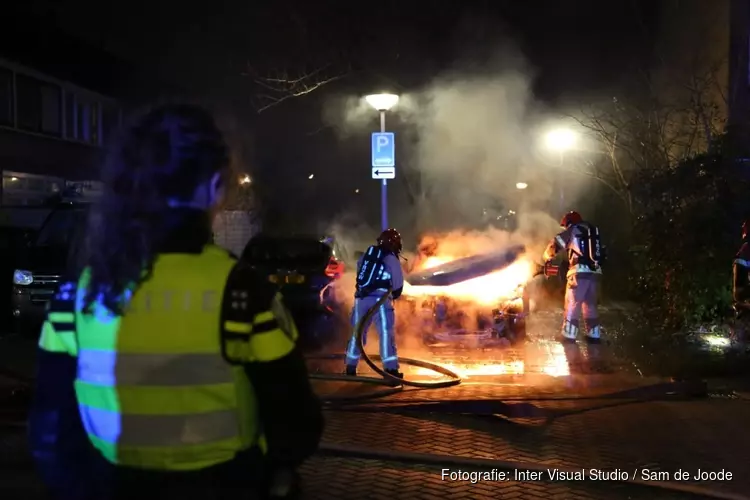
x=561 y=139
x=356 y=191
x=521 y=185
x=382 y=103
x=246 y=180
x=311 y=176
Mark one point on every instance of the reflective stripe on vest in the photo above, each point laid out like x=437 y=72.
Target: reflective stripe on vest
x=153 y=389
x=582 y=269
x=59 y=327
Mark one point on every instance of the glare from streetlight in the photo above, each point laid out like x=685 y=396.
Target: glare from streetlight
x=356 y=191
x=311 y=176
x=382 y=102
x=521 y=185
x=561 y=139
x=245 y=179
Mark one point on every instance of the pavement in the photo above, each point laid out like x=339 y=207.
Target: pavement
x=503 y=432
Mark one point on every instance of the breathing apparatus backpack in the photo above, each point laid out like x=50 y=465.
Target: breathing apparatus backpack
x=593 y=253
x=371 y=271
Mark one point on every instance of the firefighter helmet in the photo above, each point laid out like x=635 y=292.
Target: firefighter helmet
x=571 y=218
x=390 y=239
x=745 y=228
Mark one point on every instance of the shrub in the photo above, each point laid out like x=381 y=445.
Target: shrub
x=686 y=234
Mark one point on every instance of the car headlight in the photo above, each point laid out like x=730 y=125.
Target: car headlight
x=21 y=277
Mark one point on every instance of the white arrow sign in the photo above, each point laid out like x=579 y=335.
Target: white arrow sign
x=383 y=172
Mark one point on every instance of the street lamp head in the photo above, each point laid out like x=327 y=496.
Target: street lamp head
x=521 y=185
x=382 y=102
x=561 y=139
x=245 y=179
x=311 y=176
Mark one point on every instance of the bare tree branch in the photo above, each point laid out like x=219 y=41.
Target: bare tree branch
x=280 y=86
x=667 y=117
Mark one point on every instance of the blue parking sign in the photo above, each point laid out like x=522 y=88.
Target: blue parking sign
x=383 y=149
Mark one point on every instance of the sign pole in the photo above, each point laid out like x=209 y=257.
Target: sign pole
x=383 y=185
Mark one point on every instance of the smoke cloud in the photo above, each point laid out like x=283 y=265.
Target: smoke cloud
x=464 y=141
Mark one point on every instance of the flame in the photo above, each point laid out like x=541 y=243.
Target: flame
x=552 y=362
x=488 y=290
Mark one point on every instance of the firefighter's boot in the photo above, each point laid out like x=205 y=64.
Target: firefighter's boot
x=394 y=373
x=569 y=331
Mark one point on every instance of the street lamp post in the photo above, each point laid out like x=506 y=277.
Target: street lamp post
x=382 y=103
x=561 y=140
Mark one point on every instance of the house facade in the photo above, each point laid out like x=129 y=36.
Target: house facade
x=51 y=131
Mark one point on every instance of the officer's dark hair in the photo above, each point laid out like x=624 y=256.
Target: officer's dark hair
x=165 y=154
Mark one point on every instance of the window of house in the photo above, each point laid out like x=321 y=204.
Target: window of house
x=13 y=183
x=51 y=109
x=39 y=105
x=110 y=122
x=29 y=102
x=88 y=121
x=70 y=115
x=83 y=121
x=6 y=97
x=95 y=111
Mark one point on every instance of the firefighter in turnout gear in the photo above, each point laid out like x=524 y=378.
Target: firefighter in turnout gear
x=164 y=366
x=585 y=254
x=741 y=287
x=377 y=270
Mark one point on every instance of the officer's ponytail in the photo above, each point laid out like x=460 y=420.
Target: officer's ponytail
x=164 y=156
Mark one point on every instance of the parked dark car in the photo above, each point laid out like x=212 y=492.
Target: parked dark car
x=305 y=268
x=47 y=259
x=14 y=244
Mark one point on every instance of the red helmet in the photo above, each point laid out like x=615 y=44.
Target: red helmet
x=390 y=239
x=571 y=218
x=745 y=228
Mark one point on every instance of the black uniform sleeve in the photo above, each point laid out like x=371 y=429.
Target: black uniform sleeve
x=290 y=412
x=58 y=442
x=57 y=439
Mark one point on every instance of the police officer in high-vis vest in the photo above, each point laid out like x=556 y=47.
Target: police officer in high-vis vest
x=166 y=368
x=378 y=270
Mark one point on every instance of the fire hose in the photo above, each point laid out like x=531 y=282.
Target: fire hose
x=395 y=384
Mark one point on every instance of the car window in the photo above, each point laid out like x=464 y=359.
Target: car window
x=62 y=227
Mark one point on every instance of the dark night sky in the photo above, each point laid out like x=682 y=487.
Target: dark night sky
x=577 y=48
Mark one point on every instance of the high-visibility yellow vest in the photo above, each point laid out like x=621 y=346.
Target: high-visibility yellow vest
x=155 y=386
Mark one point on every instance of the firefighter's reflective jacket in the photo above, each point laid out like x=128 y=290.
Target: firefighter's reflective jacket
x=581 y=242
x=377 y=270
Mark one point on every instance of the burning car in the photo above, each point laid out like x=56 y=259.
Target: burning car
x=480 y=301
